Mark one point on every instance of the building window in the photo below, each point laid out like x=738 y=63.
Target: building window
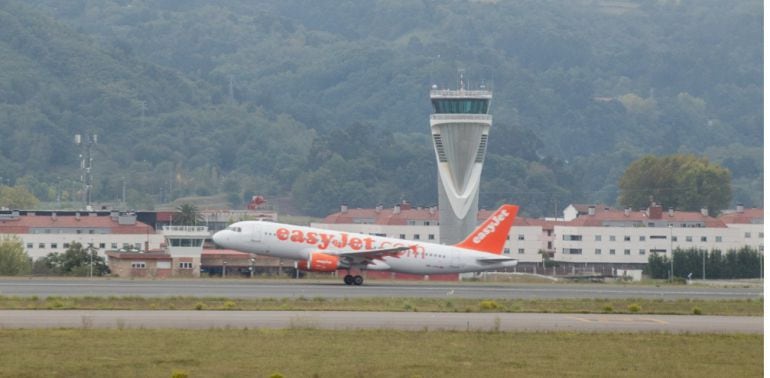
x=416 y=237
x=626 y=251
x=138 y=265
x=573 y=237
x=673 y=238
x=747 y=235
x=185 y=265
x=114 y=245
x=138 y=246
x=703 y=238
x=102 y=245
x=41 y=245
x=521 y=237
x=641 y=238
x=572 y=251
x=612 y=251
x=521 y=251
x=597 y=238
x=761 y=235
x=626 y=238
x=426 y=223
x=506 y=251
x=641 y=252
x=688 y=238
x=431 y=237
x=597 y=251
x=54 y=245
x=29 y=245
x=410 y=222
x=66 y=245
x=402 y=236
x=718 y=239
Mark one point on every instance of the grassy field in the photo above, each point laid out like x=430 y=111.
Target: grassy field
x=319 y=353
x=750 y=307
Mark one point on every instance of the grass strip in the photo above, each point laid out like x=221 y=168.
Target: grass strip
x=745 y=307
x=306 y=352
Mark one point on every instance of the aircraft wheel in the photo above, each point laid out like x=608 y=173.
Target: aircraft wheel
x=358 y=280
x=348 y=279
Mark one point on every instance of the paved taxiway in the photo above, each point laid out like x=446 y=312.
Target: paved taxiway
x=379 y=320
x=42 y=287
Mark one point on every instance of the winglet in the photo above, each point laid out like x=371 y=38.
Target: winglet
x=491 y=235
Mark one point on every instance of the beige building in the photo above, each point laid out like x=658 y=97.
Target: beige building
x=47 y=232
x=592 y=235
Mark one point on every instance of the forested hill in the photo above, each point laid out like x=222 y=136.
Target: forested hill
x=327 y=100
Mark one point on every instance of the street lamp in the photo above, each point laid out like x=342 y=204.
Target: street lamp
x=224 y=269
x=90 y=260
x=671 y=248
x=252 y=267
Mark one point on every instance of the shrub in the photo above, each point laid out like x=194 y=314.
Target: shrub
x=229 y=305
x=634 y=307
x=697 y=311
x=200 y=306
x=608 y=308
x=489 y=305
x=179 y=374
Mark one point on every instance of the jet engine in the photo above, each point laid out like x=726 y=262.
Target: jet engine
x=319 y=262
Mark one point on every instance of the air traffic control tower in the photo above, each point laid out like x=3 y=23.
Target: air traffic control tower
x=460 y=127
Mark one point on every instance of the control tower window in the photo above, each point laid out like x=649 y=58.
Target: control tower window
x=466 y=106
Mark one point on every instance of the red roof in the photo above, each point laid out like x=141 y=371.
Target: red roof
x=602 y=216
x=138 y=255
x=747 y=216
x=388 y=217
x=222 y=252
x=23 y=223
x=385 y=216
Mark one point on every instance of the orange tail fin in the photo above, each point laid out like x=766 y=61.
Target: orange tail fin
x=491 y=235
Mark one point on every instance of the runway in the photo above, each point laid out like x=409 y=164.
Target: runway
x=379 y=320
x=246 y=288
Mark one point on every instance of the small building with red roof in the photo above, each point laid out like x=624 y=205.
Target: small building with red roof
x=48 y=232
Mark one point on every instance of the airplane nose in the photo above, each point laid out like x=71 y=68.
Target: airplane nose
x=219 y=238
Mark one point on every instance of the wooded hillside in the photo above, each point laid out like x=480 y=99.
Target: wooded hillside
x=327 y=101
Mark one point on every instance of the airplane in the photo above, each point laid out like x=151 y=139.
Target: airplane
x=320 y=250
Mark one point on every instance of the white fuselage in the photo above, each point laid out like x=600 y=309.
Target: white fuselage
x=299 y=243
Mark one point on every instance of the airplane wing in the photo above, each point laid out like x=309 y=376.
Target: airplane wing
x=494 y=260
x=368 y=257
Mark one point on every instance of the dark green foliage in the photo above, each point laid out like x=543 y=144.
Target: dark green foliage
x=187 y=215
x=328 y=101
x=75 y=261
x=684 y=182
x=743 y=263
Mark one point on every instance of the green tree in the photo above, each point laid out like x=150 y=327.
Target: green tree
x=17 y=197
x=187 y=214
x=13 y=258
x=75 y=261
x=685 y=182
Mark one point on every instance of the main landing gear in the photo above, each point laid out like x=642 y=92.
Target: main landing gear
x=353 y=280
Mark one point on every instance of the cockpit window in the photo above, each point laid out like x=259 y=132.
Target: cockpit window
x=234 y=229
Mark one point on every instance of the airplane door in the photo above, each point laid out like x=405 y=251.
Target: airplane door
x=256 y=234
